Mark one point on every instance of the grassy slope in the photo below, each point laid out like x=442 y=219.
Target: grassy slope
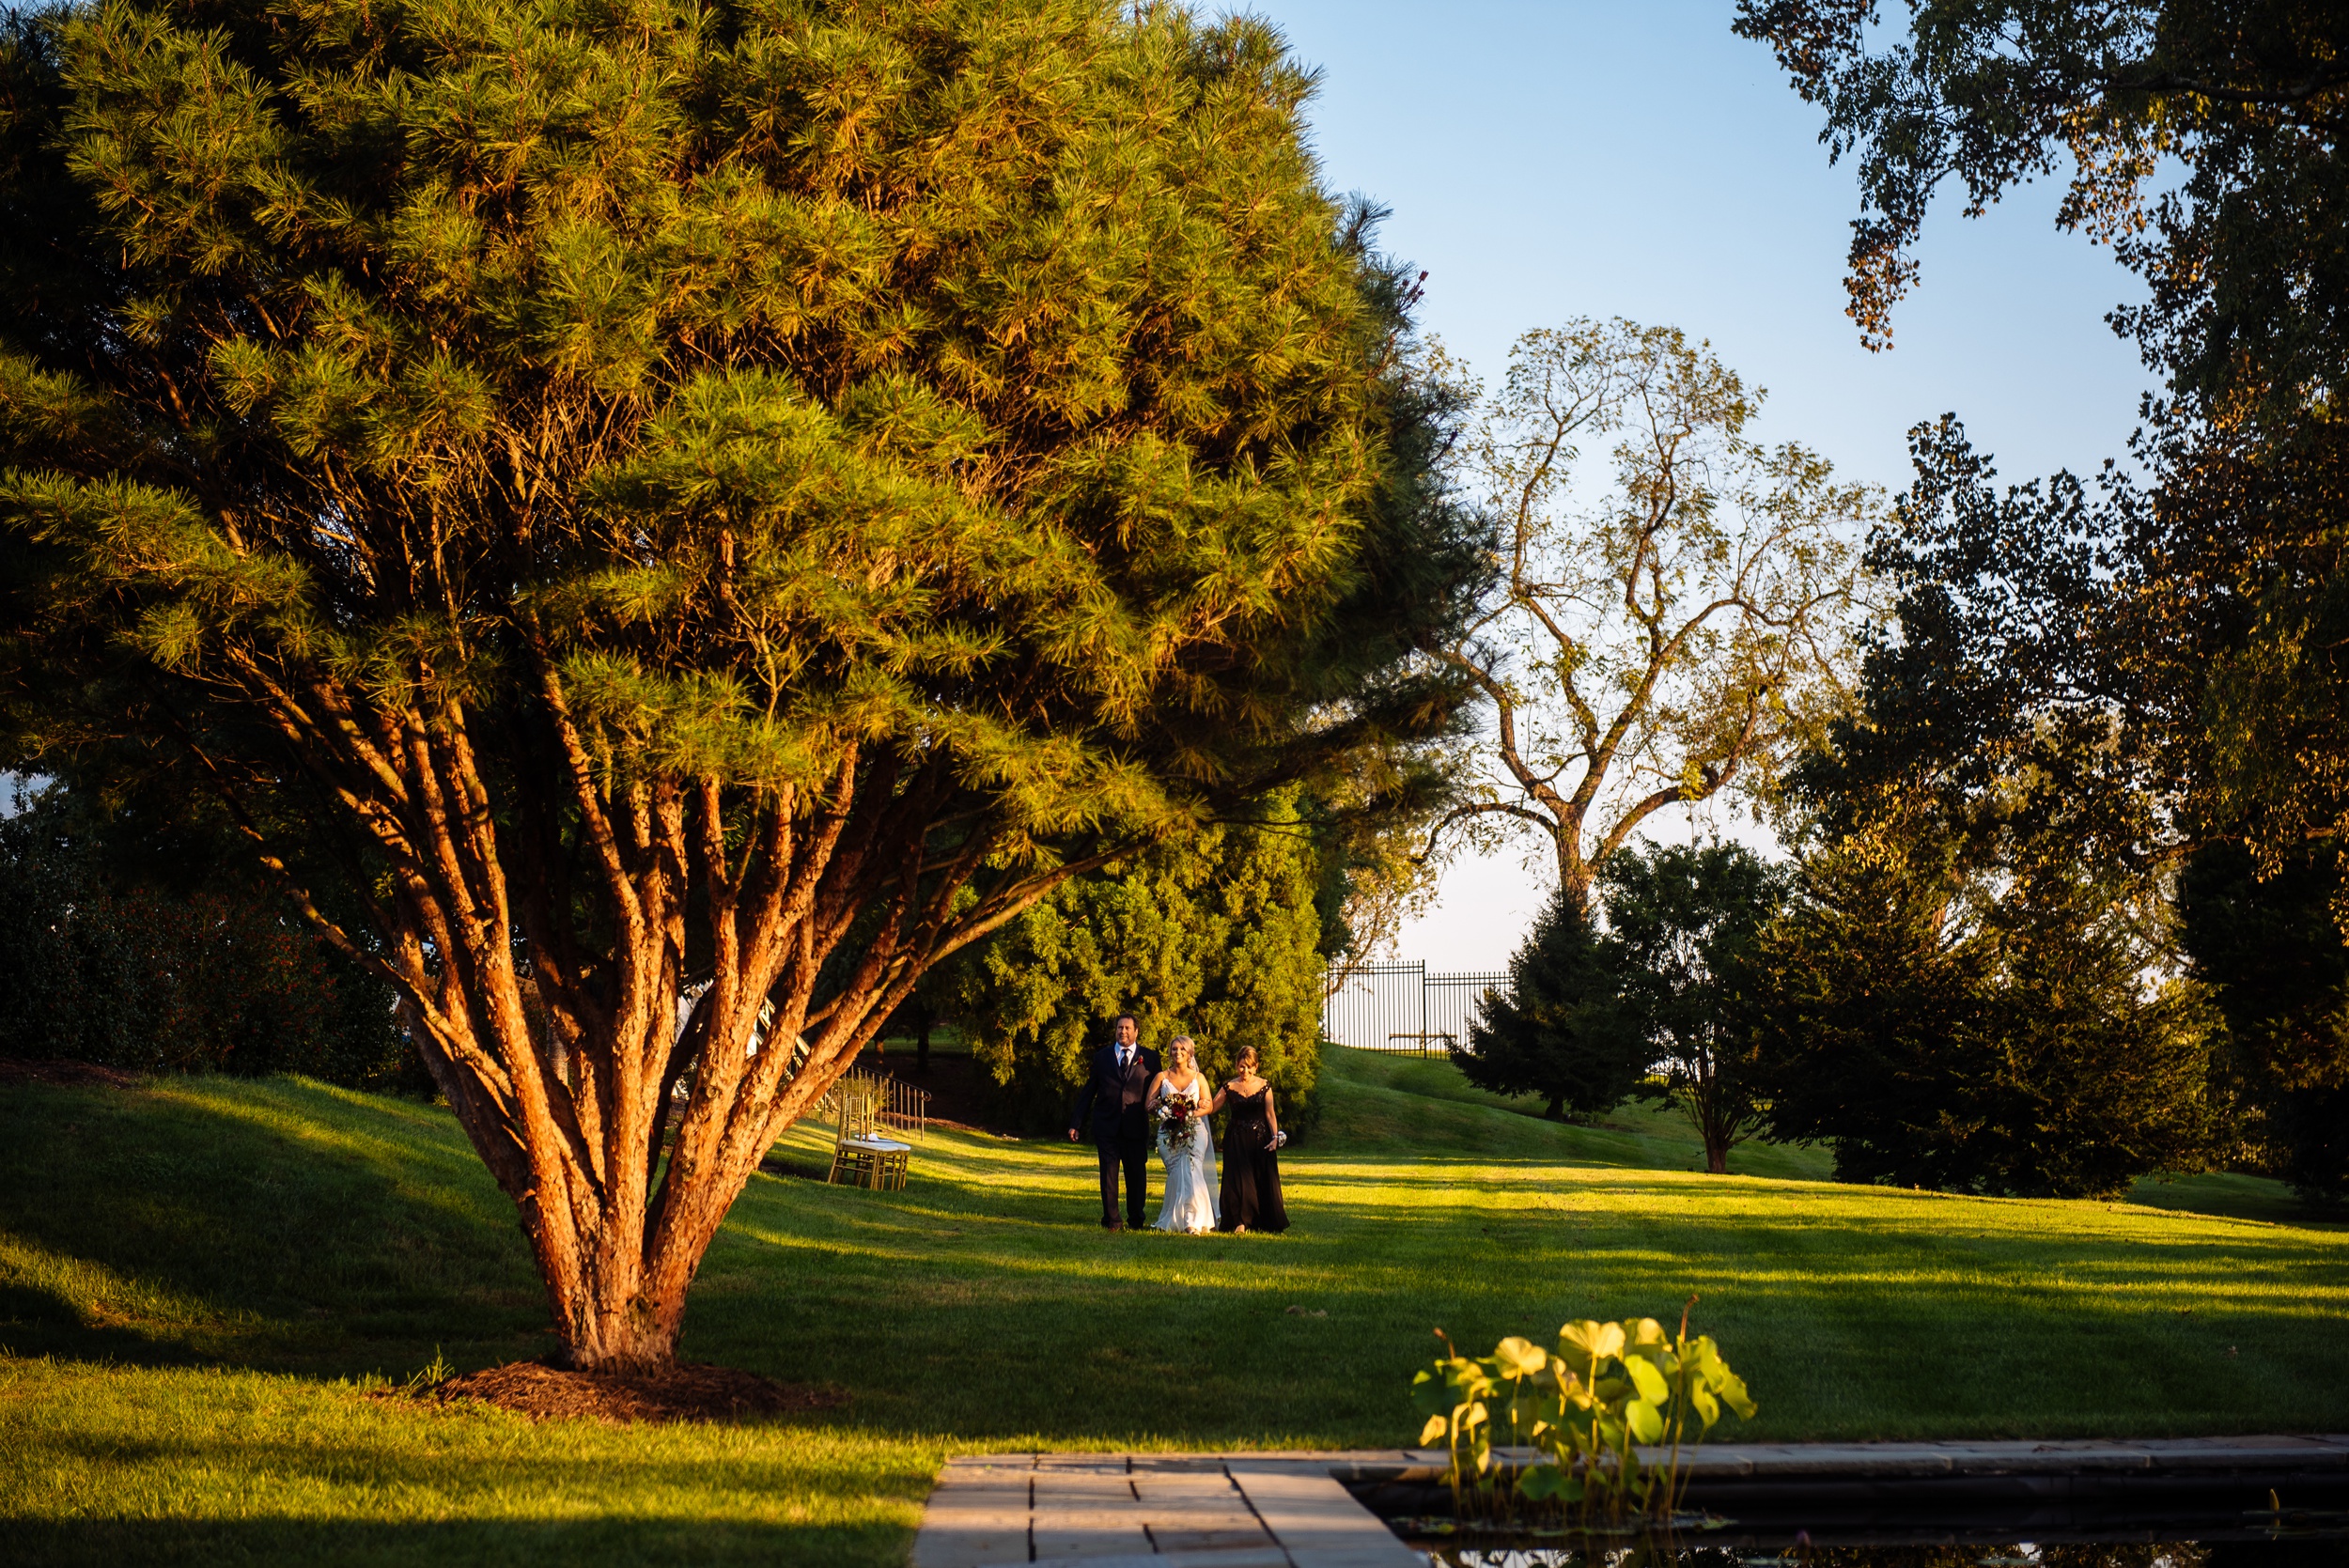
x=199 y=1261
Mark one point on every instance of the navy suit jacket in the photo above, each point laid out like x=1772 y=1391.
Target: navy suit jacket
x=1114 y=1101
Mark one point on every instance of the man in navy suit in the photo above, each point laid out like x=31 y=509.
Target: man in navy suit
x=1113 y=1100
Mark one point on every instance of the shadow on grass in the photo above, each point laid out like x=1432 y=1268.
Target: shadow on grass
x=286 y=1226
x=2237 y=1197
x=702 y=1539
x=1860 y=1309
x=282 y=1224
x=37 y=1321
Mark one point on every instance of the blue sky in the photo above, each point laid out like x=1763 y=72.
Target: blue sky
x=1575 y=158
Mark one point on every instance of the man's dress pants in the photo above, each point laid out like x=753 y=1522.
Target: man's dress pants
x=1118 y=1146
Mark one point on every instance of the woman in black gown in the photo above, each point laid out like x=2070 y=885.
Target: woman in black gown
x=1252 y=1159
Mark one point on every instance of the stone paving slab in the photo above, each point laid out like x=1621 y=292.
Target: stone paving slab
x=1154 y=1511
x=1289 y=1510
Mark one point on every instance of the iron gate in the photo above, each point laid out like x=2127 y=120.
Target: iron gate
x=1403 y=1007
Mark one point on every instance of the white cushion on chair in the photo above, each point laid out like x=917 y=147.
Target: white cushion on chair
x=878 y=1145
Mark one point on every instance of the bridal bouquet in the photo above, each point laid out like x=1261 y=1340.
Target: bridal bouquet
x=1176 y=1114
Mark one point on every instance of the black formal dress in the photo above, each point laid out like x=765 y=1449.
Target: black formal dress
x=1252 y=1168
x=1113 y=1101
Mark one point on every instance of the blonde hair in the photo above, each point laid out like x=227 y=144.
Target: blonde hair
x=1183 y=1045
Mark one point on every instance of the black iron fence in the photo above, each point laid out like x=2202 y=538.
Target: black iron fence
x=1403 y=1007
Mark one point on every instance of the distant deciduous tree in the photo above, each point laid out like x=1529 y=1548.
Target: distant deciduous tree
x=724 y=501
x=1687 y=919
x=1683 y=632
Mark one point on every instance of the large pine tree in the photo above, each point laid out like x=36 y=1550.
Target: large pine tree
x=683 y=505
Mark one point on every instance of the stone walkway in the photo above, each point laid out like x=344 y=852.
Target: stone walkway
x=1289 y=1510
x=1155 y=1511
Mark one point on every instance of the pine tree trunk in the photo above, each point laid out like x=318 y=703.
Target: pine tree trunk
x=618 y=1330
x=617 y=1230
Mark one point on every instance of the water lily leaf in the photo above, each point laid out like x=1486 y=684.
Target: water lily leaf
x=1433 y=1397
x=1519 y=1358
x=1436 y=1426
x=1591 y=1341
x=1650 y=1382
x=1645 y=1422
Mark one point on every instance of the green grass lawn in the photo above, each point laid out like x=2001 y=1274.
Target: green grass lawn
x=202 y=1284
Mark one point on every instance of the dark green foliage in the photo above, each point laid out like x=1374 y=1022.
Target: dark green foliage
x=1685 y=919
x=2195 y=628
x=1972 y=990
x=2014 y=658
x=1979 y=1030
x=1561 y=1032
x=1217 y=937
x=2270 y=951
x=152 y=977
x=1863 y=1013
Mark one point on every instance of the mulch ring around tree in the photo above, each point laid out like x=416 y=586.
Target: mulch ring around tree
x=79 y=1073
x=690 y=1391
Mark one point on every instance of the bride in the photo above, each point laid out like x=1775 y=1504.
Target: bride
x=1188 y=1155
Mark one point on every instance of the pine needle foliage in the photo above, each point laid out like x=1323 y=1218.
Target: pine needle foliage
x=2273 y=957
x=2001 y=1027
x=1218 y=938
x=660 y=489
x=1562 y=1031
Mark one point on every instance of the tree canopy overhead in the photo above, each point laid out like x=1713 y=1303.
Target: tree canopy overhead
x=2244 y=255
x=711 y=502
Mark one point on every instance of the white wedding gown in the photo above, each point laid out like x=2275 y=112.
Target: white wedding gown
x=1189 y=1205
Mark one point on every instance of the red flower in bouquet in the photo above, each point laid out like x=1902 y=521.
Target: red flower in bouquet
x=1176 y=1115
